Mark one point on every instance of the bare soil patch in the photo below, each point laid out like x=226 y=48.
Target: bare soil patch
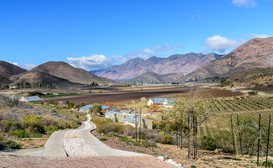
x=123 y=96
x=205 y=159
x=31 y=143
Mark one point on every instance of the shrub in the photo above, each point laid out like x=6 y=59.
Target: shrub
x=108 y=126
x=209 y=143
x=149 y=143
x=103 y=139
x=267 y=164
x=165 y=138
x=20 y=133
x=8 y=144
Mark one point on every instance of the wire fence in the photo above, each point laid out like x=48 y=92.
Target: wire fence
x=242 y=133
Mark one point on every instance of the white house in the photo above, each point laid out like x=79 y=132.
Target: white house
x=31 y=99
x=166 y=102
x=157 y=101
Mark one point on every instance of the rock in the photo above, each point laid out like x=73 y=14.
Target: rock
x=161 y=158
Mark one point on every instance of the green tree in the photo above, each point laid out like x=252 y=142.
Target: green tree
x=185 y=117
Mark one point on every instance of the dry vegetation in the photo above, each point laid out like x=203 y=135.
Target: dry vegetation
x=19 y=120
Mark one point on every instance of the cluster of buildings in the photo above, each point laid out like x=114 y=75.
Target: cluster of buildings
x=125 y=116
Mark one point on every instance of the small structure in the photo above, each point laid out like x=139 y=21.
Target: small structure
x=126 y=112
x=166 y=102
x=132 y=119
x=157 y=101
x=85 y=108
x=115 y=116
x=13 y=87
x=106 y=108
x=31 y=99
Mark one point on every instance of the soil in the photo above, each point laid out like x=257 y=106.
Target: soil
x=125 y=96
x=31 y=143
x=9 y=161
x=205 y=159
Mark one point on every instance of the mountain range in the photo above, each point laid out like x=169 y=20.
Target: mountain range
x=256 y=53
x=178 y=63
x=250 y=64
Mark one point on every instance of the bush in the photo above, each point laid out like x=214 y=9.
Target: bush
x=267 y=164
x=165 y=138
x=8 y=144
x=209 y=143
x=108 y=126
x=149 y=143
x=103 y=139
x=20 y=133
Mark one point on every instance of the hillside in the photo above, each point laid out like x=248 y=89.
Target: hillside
x=7 y=70
x=153 y=78
x=256 y=53
x=40 y=79
x=178 y=63
x=66 y=71
x=255 y=77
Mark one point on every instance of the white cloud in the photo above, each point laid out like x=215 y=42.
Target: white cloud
x=24 y=66
x=244 y=3
x=27 y=66
x=260 y=35
x=148 y=52
x=220 y=44
x=93 y=62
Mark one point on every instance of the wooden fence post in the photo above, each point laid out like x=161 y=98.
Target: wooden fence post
x=268 y=139
x=232 y=132
x=259 y=139
x=239 y=134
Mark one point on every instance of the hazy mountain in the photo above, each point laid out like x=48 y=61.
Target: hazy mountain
x=41 y=78
x=66 y=71
x=154 y=78
x=256 y=53
x=178 y=63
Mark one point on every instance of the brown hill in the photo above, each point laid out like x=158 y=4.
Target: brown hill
x=178 y=63
x=66 y=71
x=8 y=69
x=40 y=79
x=256 y=53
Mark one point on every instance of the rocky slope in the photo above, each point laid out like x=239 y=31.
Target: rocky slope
x=66 y=71
x=178 y=63
x=154 y=78
x=256 y=53
x=255 y=77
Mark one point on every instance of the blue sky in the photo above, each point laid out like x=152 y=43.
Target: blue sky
x=95 y=34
